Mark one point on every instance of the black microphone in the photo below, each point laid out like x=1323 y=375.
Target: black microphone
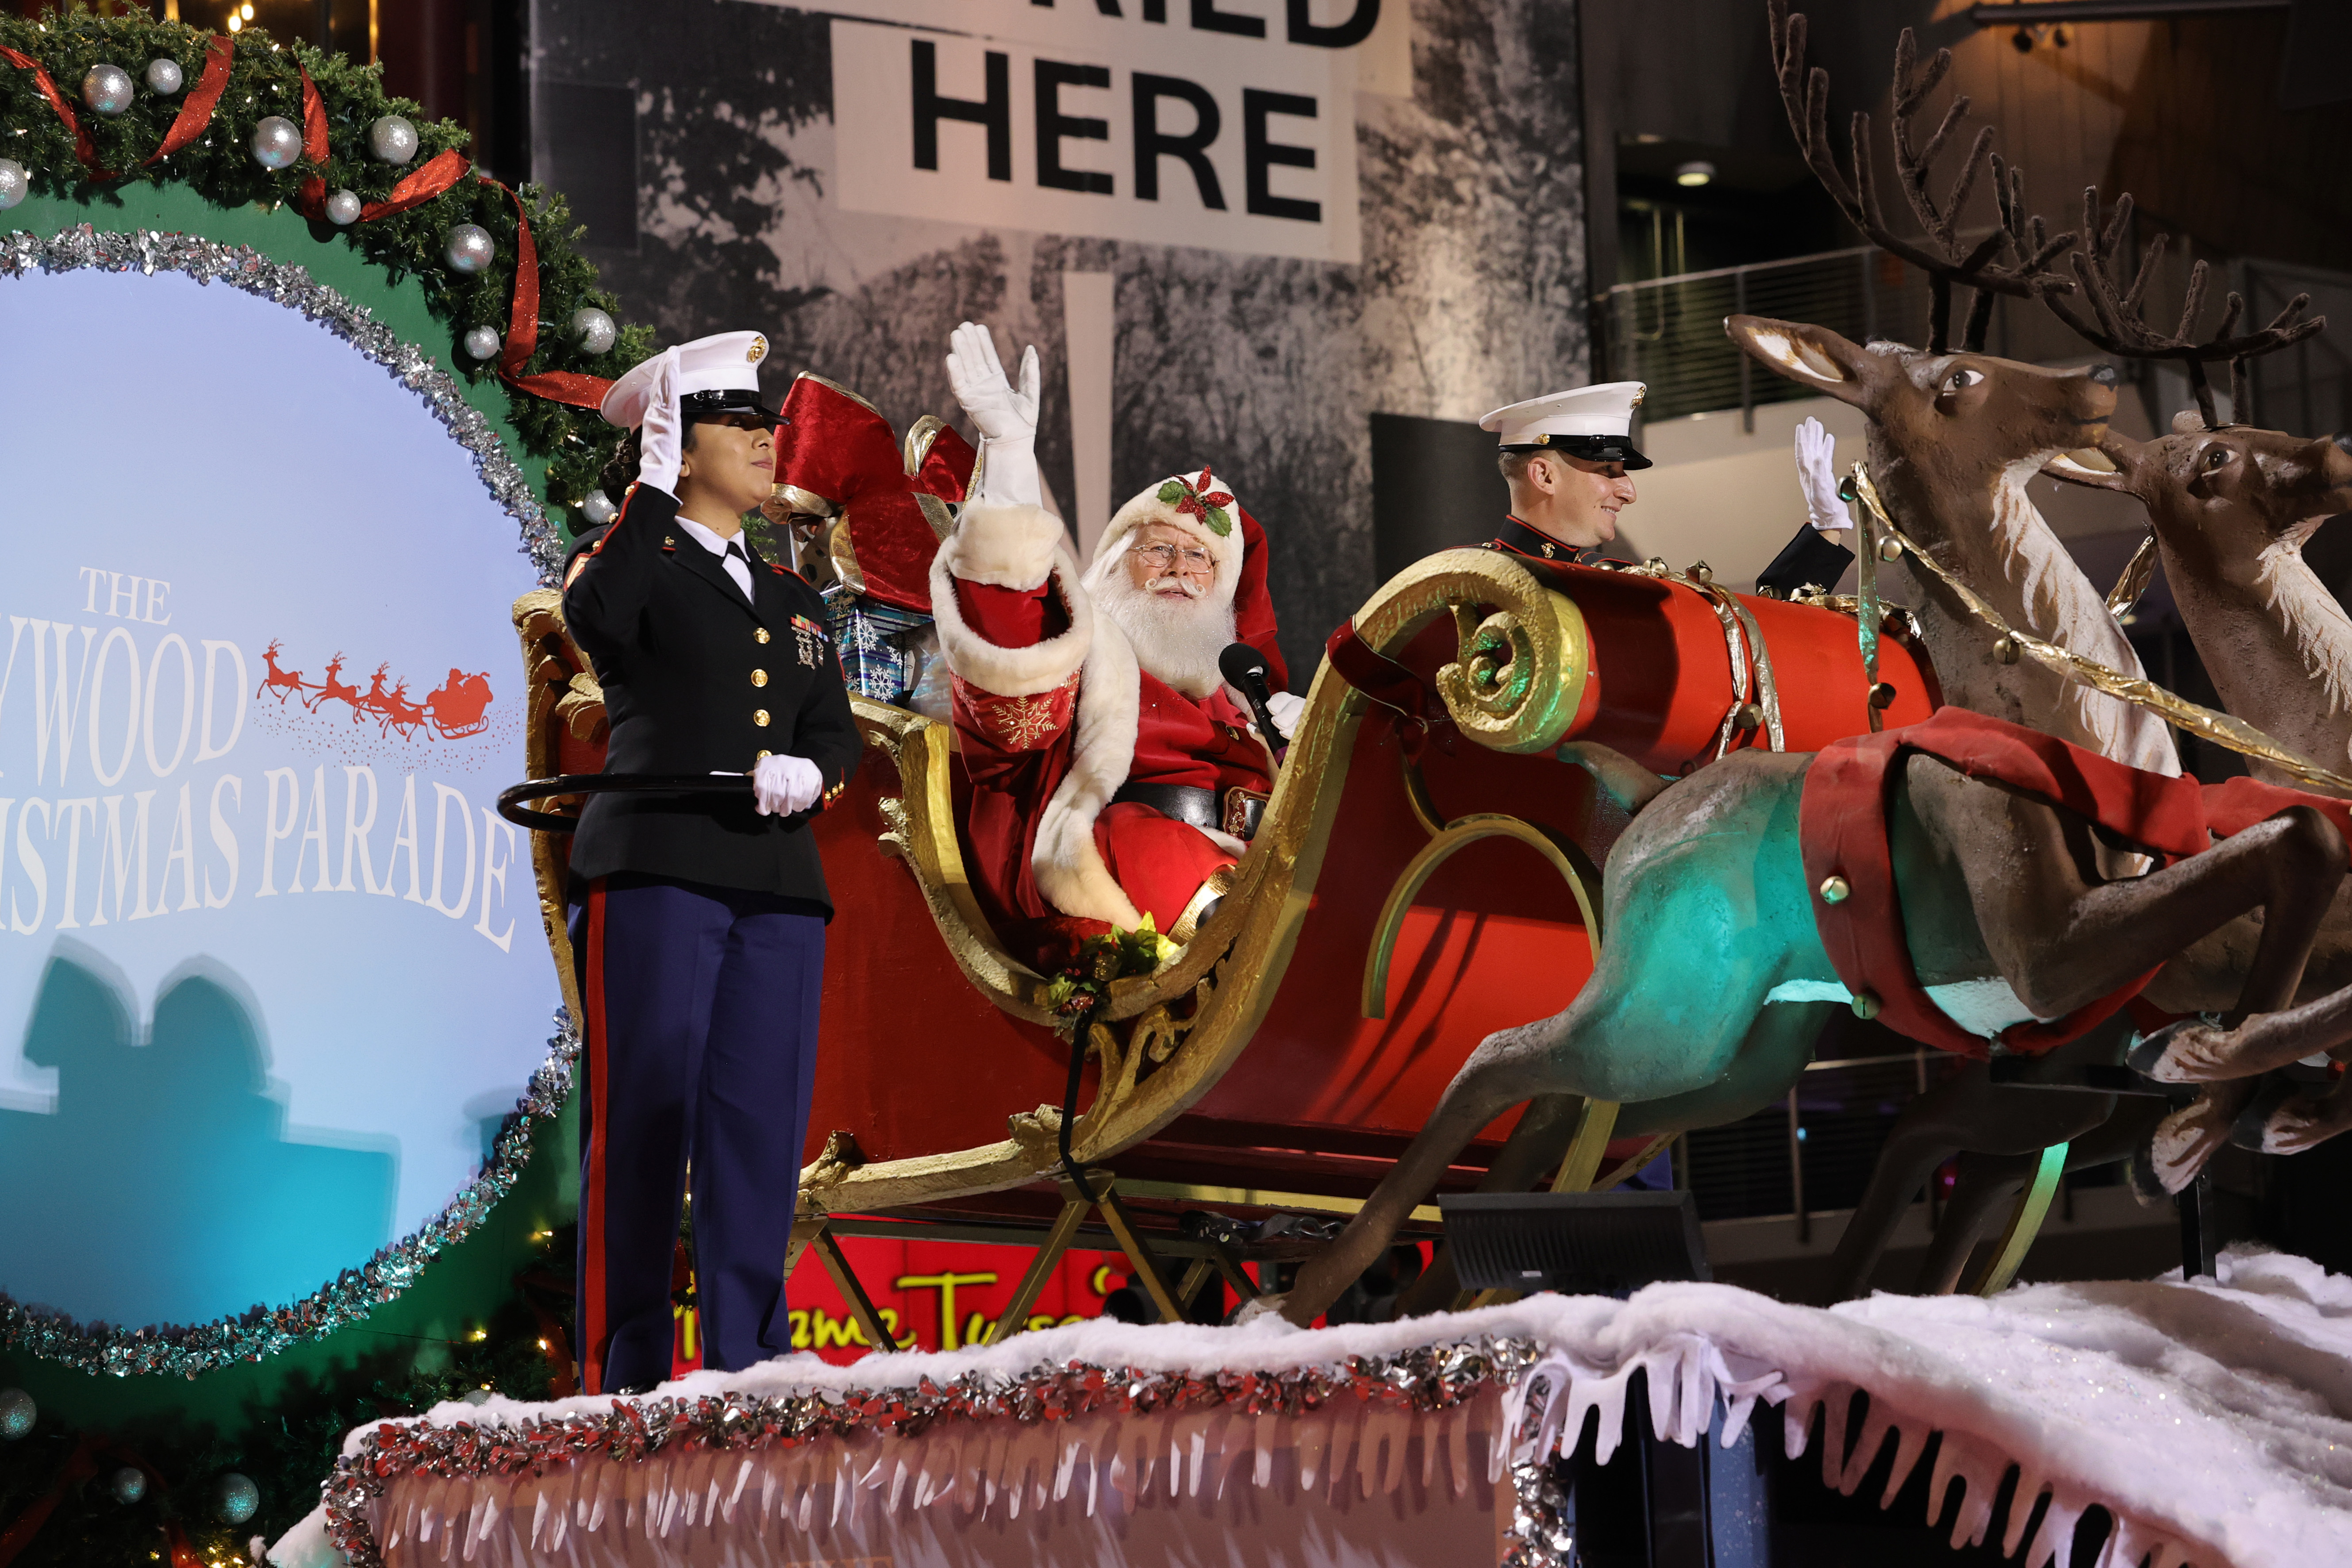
x=1243 y=669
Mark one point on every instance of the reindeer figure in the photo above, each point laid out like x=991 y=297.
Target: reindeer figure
x=2230 y=508
x=281 y=681
x=1679 y=1023
x=334 y=690
x=1955 y=433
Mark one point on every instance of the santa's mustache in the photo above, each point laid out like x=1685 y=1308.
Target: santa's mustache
x=1183 y=586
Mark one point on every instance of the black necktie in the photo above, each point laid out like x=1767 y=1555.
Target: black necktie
x=735 y=553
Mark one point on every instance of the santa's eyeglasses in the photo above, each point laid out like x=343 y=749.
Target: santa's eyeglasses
x=1161 y=557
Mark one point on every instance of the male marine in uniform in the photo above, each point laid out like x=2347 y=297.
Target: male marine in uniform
x=697 y=920
x=1567 y=456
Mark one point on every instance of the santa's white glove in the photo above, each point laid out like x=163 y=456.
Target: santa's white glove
x=1005 y=416
x=1817 y=477
x=661 y=439
x=1285 y=708
x=786 y=786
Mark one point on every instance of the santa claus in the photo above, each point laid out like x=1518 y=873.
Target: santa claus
x=1112 y=771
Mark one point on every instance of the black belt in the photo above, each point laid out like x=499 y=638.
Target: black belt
x=1238 y=818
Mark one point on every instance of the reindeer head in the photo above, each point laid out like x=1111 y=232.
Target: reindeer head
x=2222 y=498
x=1962 y=419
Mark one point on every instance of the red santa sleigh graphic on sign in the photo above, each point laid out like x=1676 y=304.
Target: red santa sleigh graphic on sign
x=458 y=706
x=454 y=711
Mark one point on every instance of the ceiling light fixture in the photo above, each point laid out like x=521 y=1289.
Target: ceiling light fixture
x=1698 y=172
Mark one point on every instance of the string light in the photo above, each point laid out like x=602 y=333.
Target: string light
x=236 y=23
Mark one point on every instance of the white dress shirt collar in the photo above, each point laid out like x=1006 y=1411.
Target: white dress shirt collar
x=736 y=564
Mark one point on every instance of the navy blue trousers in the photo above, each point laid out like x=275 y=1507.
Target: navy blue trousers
x=701 y=1045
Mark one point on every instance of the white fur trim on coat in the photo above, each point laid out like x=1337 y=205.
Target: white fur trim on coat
x=1010 y=546
x=1011 y=671
x=1069 y=868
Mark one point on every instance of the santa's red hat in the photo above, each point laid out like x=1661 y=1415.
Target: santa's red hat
x=1205 y=507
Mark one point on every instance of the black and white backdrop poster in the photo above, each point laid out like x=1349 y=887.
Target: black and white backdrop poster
x=1237 y=230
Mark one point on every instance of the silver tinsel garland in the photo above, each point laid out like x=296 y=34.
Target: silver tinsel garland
x=1427 y=1377
x=262 y=1331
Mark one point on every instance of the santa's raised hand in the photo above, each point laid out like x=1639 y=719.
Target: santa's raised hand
x=1005 y=415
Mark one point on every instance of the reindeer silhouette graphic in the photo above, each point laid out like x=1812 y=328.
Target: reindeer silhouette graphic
x=401 y=714
x=281 y=681
x=336 y=692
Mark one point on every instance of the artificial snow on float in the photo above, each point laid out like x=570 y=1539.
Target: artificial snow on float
x=2213 y=1420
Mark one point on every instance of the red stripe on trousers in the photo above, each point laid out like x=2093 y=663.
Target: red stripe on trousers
x=592 y=1333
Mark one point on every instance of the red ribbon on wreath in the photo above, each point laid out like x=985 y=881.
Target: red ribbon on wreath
x=79 y=1467
x=522 y=328
x=437 y=173
x=82 y=148
x=197 y=112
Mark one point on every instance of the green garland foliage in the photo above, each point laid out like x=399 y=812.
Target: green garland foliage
x=266 y=79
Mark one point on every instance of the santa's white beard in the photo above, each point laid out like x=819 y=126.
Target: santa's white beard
x=1176 y=639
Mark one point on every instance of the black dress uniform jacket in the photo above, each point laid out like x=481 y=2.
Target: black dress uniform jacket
x=699 y=679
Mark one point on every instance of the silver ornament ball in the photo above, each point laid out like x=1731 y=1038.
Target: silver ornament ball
x=106 y=88
x=393 y=140
x=17 y=1414
x=482 y=342
x=14 y=183
x=277 y=142
x=129 y=1484
x=236 y=1498
x=165 y=78
x=470 y=247
x=343 y=208
x=598 y=508
x=594 y=331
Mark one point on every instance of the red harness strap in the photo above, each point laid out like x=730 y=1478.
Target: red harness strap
x=1842 y=828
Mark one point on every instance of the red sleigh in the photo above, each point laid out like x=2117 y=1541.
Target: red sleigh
x=1425 y=873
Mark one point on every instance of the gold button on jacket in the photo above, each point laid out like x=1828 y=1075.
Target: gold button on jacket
x=759 y=677
x=759 y=634
x=760 y=716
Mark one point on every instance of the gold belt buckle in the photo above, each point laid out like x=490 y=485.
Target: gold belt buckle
x=1244 y=810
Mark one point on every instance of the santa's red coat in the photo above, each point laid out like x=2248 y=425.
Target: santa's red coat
x=1055 y=715
x=1018 y=750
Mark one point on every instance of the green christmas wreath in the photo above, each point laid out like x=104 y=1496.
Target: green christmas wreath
x=70 y=151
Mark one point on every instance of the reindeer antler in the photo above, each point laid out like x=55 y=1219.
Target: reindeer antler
x=1805 y=95
x=2121 y=326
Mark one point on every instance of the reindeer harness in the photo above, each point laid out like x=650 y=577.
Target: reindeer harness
x=1842 y=831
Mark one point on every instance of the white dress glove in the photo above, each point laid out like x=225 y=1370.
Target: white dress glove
x=786 y=786
x=661 y=442
x=1817 y=477
x=1285 y=707
x=1006 y=417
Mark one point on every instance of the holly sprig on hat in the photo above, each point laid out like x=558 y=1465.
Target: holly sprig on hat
x=1208 y=505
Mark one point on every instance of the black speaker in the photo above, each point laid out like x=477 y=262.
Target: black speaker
x=1434 y=487
x=1581 y=1244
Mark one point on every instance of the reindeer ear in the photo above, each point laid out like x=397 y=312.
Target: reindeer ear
x=1808 y=355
